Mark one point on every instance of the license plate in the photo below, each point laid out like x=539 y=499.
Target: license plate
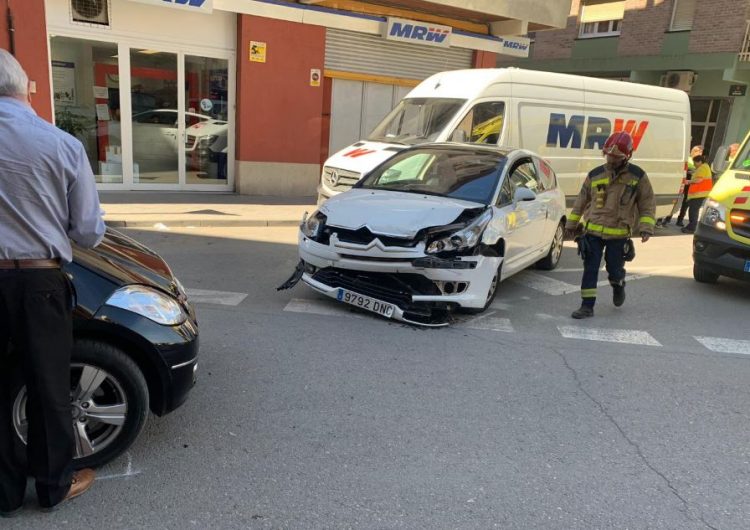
x=747 y=265
x=365 y=302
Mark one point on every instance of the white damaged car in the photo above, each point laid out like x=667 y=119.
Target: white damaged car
x=434 y=228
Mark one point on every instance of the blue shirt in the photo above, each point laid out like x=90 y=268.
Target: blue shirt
x=47 y=189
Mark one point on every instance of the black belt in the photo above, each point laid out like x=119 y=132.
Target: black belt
x=30 y=264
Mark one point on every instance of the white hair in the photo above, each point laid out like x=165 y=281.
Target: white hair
x=13 y=80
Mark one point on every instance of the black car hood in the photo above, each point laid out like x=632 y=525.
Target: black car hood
x=125 y=261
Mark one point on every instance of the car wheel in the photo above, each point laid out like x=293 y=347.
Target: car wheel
x=703 y=275
x=109 y=400
x=491 y=294
x=552 y=259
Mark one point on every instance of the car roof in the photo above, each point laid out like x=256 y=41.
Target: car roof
x=503 y=151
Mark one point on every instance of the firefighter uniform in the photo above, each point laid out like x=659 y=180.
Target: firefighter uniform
x=612 y=205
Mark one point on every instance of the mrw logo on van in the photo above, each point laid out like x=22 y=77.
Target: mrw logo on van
x=570 y=134
x=416 y=32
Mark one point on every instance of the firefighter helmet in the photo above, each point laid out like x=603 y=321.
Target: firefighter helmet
x=619 y=144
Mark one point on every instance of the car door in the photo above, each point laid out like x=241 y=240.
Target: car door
x=549 y=197
x=525 y=219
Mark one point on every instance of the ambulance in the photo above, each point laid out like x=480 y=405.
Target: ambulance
x=721 y=244
x=564 y=118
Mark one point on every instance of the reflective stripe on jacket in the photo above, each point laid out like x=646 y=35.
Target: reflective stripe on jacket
x=613 y=206
x=700 y=183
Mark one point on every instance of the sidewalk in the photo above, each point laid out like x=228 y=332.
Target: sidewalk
x=151 y=208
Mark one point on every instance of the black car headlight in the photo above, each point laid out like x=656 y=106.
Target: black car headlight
x=150 y=303
x=465 y=238
x=714 y=214
x=312 y=226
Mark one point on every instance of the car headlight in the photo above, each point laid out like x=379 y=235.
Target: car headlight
x=180 y=288
x=149 y=303
x=465 y=238
x=208 y=139
x=714 y=214
x=313 y=225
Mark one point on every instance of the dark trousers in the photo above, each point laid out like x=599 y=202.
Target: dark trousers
x=694 y=210
x=36 y=320
x=614 y=259
x=684 y=205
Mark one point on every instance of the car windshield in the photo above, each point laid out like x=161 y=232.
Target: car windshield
x=742 y=160
x=456 y=173
x=416 y=120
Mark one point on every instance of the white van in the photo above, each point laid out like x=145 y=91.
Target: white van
x=565 y=118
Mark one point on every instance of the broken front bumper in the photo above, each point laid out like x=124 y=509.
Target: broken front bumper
x=423 y=288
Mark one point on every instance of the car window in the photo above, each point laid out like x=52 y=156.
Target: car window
x=162 y=118
x=547 y=178
x=482 y=125
x=467 y=174
x=524 y=175
x=506 y=193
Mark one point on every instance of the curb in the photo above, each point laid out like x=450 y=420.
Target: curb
x=119 y=223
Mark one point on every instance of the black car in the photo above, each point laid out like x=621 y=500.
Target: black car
x=136 y=347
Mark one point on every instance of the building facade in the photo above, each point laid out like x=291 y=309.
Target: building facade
x=697 y=46
x=244 y=95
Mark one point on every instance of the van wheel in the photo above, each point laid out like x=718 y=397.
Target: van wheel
x=552 y=259
x=491 y=294
x=109 y=401
x=704 y=275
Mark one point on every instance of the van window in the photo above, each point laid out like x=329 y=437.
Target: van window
x=742 y=160
x=416 y=120
x=482 y=125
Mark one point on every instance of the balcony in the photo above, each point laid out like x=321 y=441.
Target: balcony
x=745 y=50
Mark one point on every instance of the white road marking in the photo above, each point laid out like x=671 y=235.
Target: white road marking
x=625 y=336
x=202 y=296
x=319 y=307
x=543 y=283
x=488 y=322
x=720 y=345
x=128 y=471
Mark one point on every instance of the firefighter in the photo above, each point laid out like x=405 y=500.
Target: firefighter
x=616 y=200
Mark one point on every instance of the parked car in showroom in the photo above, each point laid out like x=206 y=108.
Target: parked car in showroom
x=435 y=228
x=136 y=348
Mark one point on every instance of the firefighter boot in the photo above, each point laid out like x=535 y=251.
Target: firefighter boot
x=585 y=311
x=618 y=293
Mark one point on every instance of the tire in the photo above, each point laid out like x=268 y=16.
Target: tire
x=552 y=259
x=704 y=275
x=491 y=294
x=118 y=384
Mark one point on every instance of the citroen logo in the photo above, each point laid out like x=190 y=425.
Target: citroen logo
x=334 y=178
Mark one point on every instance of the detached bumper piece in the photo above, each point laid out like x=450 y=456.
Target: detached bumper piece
x=294 y=278
x=396 y=289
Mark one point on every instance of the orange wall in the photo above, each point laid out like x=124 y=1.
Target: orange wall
x=484 y=59
x=31 y=47
x=279 y=115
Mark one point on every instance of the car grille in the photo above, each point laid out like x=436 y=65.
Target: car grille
x=363 y=236
x=391 y=288
x=339 y=179
x=740 y=220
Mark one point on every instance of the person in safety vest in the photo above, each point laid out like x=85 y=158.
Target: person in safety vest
x=701 y=184
x=615 y=200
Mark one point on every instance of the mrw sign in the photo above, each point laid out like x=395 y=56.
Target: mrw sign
x=196 y=6
x=403 y=30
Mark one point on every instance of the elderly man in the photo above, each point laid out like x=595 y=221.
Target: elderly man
x=47 y=197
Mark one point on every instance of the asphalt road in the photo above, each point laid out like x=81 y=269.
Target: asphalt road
x=309 y=415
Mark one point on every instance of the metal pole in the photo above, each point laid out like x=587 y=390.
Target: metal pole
x=11 y=31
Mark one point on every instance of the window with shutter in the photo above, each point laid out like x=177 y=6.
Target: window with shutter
x=682 y=16
x=601 y=18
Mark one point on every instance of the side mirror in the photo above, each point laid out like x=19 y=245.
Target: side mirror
x=720 y=162
x=459 y=135
x=524 y=194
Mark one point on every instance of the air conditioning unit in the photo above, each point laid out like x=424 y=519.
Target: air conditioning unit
x=681 y=80
x=91 y=12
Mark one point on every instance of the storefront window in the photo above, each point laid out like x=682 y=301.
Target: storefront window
x=153 y=94
x=85 y=84
x=206 y=123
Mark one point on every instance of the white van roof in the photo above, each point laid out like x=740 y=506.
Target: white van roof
x=470 y=84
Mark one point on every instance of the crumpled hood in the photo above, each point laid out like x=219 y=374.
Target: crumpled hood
x=392 y=213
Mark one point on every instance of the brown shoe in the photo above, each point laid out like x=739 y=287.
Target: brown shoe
x=80 y=483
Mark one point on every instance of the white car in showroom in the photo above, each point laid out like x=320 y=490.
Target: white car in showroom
x=435 y=228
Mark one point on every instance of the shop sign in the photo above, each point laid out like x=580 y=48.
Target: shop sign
x=737 y=90
x=515 y=46
x=197 y=6
x=403 y=30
